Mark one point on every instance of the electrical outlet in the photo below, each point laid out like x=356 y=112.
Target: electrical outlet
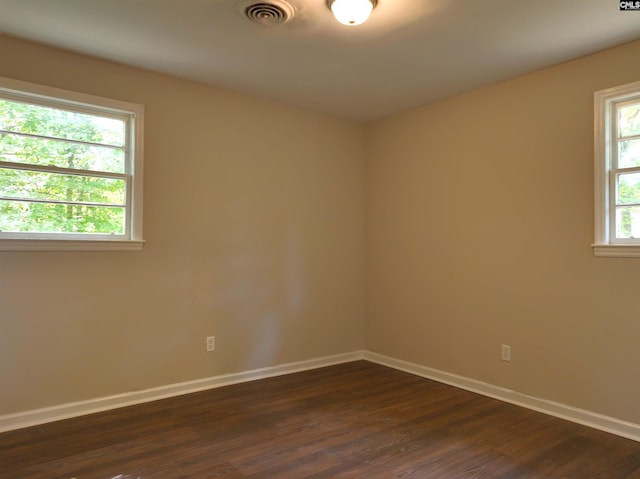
x=506 y=352
x=211 y=343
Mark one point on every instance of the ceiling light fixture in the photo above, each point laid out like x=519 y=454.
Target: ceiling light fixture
x=351 y=12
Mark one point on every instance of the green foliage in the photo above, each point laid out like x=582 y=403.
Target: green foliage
x=105 y=154
x=629 y=120
x=628 y=194
x=629 y=153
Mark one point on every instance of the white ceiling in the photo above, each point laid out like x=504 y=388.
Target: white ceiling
x=409 y=53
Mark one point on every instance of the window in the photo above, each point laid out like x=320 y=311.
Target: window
x=617 y=171
x=70 y=170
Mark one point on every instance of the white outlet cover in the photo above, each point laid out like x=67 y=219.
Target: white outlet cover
x=506 y=352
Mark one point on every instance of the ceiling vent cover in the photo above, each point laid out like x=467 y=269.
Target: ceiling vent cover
x=270 y=12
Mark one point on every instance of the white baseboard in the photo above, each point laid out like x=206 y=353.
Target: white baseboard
x=587 y=418
x=65 y=411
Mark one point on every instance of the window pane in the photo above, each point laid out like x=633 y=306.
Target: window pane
x=40 y=151
x=628 y=191
x=629 y=120
x=41 y=120
x=21 y=217
x=51 y=186
x=628 y=222
x=628 y=153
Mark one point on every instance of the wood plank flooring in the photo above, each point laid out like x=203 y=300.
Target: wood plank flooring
x=355 y=420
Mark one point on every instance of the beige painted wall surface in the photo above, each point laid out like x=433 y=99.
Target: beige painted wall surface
x=478 y=231
x=254 y=218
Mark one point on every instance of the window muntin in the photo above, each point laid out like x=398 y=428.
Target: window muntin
x=70 y=166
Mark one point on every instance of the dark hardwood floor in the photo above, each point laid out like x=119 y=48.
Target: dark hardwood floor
x=356 y=420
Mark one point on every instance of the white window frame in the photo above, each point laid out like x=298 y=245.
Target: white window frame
x=605 y=155
x=133 y=114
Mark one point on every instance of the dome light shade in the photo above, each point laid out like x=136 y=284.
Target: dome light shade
x=352 y=12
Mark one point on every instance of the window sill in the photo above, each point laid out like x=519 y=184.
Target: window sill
x=617 y=250
x=68 y=245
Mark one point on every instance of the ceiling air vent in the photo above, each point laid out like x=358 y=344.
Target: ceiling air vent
x=271 y=12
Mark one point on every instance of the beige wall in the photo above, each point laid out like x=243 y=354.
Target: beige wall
x=478 y=231
x=254 y=219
